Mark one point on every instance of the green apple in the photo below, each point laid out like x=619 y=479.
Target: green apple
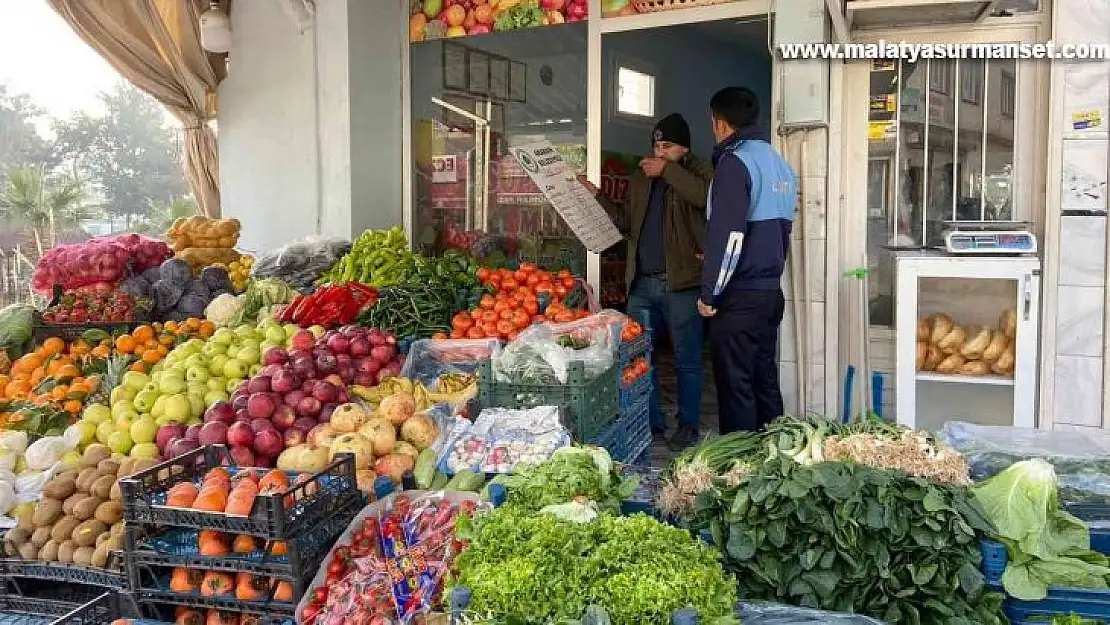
x=121 y=393
x=144 y=451
x=120 y=442
x=250 y=355
x=223 y=336
x=122 y=406
x=159 y=408
x=274 y=334
x=267 y=346
x=214 y=396
x=235 y=369
x=232 y=384
x=216 y=383
x=212 y=349
x=196 y=360
x=216 y=364
x=198 y=374
x=143 y=430
x=178 y=408
x=71 y=458
x=196 y=404
x=172 y=385
x=291 y=330
x=135 y=380
x=96 y=414
x=86 y=430
x=144 y=401
x=163 y=420
x=233 y=351
x=254 y=370
x=104 y=430
x=124 y=421
x=317 y=331
x=246 y=332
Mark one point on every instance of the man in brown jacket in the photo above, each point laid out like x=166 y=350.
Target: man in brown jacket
x=664 y=221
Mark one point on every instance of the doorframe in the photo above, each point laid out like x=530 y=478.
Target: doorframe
x=1030 y=147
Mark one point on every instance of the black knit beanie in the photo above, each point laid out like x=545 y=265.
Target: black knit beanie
x=672 y=128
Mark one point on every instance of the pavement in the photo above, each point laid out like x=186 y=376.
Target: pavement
x=663 y=359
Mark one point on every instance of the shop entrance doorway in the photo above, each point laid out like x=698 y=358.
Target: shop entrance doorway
x=645 y=76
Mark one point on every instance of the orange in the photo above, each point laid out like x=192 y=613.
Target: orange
x=138 y=366
x=162 y=350
x=59 y=392
x=4 y=380
x=167 y=340
x=143 y=334
x=206 y=329
x=28 y=363
x=37 y=376
x=79 y=348
x=171 y=326
x=72 y=406
x=102 y=351
x=151 y=357
x=53 y=345
x=192 y=324
x=67 y=371
x=125 y=344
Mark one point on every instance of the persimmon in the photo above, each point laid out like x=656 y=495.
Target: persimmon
x=218 y=473
x=188 y=616
x=250 y=587
x=240 y=501
x=185 y=580
x=126 y=344
x=53 y=346
x=244 y=544
x=211 y=498
x=213 y=544
x=275 y=481
x=284 y=592
x=278 y=548
x=216 y=617
x=182 y=495
x=217 y=584
x=143 y=334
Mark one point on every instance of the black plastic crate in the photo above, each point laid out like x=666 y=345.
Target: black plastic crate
x=275 y=516
x=68 y=573
x=269 y=613
x=45 y=598
x=19 y=618
x=104 y=609
x=147 y=568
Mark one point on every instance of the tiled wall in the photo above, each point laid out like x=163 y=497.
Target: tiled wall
x=812 y=227
x=1080 y=291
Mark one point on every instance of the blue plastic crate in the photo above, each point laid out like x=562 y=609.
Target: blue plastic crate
x=637 y=392
x=639 y=346
x=628 y=438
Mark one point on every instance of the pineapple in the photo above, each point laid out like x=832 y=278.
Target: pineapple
x=112 y=375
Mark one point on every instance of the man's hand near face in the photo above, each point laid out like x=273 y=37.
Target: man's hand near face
x=653 y=167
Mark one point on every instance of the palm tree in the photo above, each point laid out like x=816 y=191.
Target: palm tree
x=29 y=198
x=163 y=214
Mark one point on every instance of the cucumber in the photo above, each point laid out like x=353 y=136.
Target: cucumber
x=456 y=481
x=473 y=482
x=439 y=481
x=425 y=470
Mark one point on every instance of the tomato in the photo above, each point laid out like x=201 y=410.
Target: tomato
x=475 y=333
x=490 y=315
x=512 y=335
x=568 y=283
x=509 y=284
x=539 y=319
x=506 y=315
x=533 y=279
x=531 y=307
x=520 y=275
x=489 y=329
x=456 y=334
x=336 y=567
x=564 y=274
x=483 y=274
x=320 y=596
x=504 y=327
x=521 y=319
x=560 y=291
x=527 y=267
x=501 y=306
x=487 y=302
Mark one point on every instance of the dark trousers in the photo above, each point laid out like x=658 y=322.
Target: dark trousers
x=743 y=341
x=674 y=312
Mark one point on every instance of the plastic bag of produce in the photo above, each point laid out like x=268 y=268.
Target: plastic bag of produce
x=300 y=263
x=16 y=326
x=430 y=359
x=758 y=613
x=101 y=260
x=541 y=356
x=501 y=440
x=1081 y=460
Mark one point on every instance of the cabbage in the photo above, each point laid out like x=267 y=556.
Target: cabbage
x=191 y=305
x=1046 y=545
x=215 y=278
x=135 y=286
x=176 y=271
x=46 y=452
x=15 y=325
x=199 y=288
x=166 y=294
x=15 y=440
x=581 y=510
x=7 y=497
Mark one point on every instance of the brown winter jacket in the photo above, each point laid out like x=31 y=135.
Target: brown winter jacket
x=683 y=219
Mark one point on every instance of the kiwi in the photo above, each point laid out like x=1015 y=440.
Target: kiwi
x=142 y=464
x=115 y=543
x=109 y=512
x=49 y=551
x=18 y=537
x=115 y=494
x=102 y=487
x=46 y=512
x=126 y=467
x=118 y=528
x=63 y=529
x=94 y=454
x=108 y=467
x=28 y=551
x=59 y=488
x=100 y=556
x=42 y=536
x=65 y=552
x=67 y=474
x=86 y=508
x=83 y=556
x=86 y=478
x=85 y=534
x=72 y=500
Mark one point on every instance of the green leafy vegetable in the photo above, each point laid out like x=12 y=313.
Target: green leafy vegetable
x=571 y=472
x=1046 y=546
x=527 y=14
x=531 y=569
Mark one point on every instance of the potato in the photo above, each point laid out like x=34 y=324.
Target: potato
x=28 y=551
x=86 y=533
x=63 y=529
x=47 y=512
x=65 y=552
x=94 y=454
x=83 y=556
x=26 y=520
x=49 y=551
x=9 y=550
x=116 y=494
x=100 y=556
x=85 y=479
x=86 y=508
x=108 y=467
x=18 y=536
x=102 y=487
x=59 y=488
x=72 y=500
x=109 y=512
x=41 y=536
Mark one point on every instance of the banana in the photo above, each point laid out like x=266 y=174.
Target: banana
x=365 y=394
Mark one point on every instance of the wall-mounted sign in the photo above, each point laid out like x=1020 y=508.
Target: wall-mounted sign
x=881 y=130
x=882 y=65
x=1086 y=119
x=444 y=169
x=883 y=103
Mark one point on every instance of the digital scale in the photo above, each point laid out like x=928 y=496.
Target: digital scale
x=989 y=238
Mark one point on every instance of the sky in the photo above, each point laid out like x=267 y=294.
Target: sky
x=41 y=56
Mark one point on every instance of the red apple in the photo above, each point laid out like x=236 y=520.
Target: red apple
x=324 y=392
x=221 y=411
x=239 y=401
x=260 y=406
x=268 y=443
x=242 y=456
x=193 y=432
x=178 y=447
x=258 y=384
x=214 y=433
x=360 y=348
x=338 y=344
x=294 y=436
x=309 y=407
x=303 y=340
x=257 y=425
x=240 y=434
x=167 y=433
x=284 y=417
x=275 y=356
x=294 y=397
x=284 y=381
x=376 y=337
x=325 y=413
x=382 y=353
x=366 y=379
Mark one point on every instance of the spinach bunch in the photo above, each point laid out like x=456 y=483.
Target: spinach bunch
x=850 y=538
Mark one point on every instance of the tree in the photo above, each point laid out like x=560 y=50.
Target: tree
x=163 y=214
x=129 y=152
x=32 y=199
x=20 y=142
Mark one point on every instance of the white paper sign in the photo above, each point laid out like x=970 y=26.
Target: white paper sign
x=585 y=217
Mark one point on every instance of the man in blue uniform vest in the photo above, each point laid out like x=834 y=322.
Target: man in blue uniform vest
x=751 y=209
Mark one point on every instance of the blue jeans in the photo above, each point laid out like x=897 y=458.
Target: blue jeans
x=675 y=313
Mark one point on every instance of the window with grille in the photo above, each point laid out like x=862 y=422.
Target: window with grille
x=940 y=149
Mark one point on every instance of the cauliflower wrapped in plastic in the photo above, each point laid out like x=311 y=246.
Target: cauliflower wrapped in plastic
x=46 y=452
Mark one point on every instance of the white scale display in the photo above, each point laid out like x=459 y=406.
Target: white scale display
x=989 y=238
